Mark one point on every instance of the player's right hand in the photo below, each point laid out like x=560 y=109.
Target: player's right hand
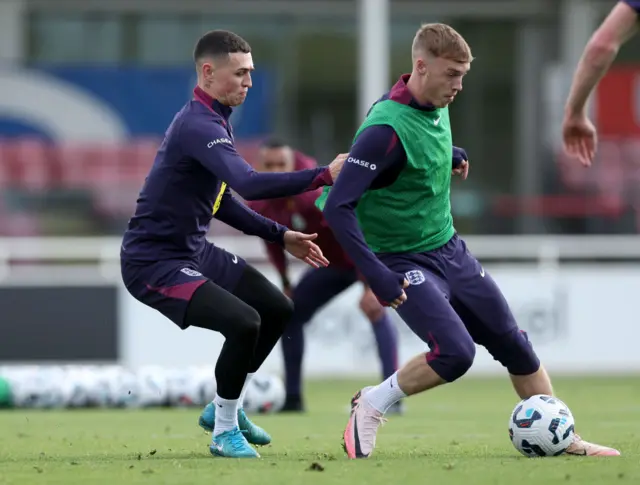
x=385 y=284
x=579 y=138
x=336 y=165
x=301 y=246
x=402 y=298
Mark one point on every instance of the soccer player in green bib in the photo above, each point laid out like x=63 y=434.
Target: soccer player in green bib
x=390 y=210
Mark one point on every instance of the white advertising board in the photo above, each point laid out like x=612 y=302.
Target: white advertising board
x=581 y=319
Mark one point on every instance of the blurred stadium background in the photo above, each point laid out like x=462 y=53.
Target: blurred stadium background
x=87 y=88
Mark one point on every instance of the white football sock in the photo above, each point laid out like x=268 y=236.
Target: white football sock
x=244 y=390
x=385 y=394
x=226 y=414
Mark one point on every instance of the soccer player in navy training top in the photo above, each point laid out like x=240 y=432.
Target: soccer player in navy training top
x=578 y=133
x=318 y=285
x=168 y=264
x=390 y=210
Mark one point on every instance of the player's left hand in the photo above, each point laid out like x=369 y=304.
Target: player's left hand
x=301 y=246
x=460 y=162
x=336 y=166
x=462 y=170
x=402 y=298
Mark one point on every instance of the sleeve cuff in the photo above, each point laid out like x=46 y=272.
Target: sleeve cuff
x=279 y=235
x=322 y=179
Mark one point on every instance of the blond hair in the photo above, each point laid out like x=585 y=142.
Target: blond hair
x=441 y=40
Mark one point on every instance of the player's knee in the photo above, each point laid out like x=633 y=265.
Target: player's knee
x=286 y=307
x=371 y=307
x=453 y=361
x=247 y=324
x=514 y=351
x=282 y=310
x=461 y=361
x=373 y=313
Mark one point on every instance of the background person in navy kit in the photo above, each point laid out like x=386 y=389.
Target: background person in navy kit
x=168 y=264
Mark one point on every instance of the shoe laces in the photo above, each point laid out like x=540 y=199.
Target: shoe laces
x=379 y=420
x=236 y=440
x=374 y=419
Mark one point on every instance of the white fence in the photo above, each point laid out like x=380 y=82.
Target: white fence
x=106 y=250
x=576 y=296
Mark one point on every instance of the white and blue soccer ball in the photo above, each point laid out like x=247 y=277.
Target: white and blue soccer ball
x=265 y=394
x=541 y=426
x=181 y=388
x=153 y=387
x=121 y=386
x=203 y=382
x=78 y=388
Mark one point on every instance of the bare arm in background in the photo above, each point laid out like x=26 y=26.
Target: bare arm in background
x=578 y=132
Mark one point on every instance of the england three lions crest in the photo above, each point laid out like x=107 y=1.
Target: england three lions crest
x=415 y=277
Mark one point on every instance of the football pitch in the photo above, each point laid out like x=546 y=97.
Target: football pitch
x=453 y=435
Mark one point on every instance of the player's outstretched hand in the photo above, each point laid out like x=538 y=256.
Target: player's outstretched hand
x=462 y=169
x=402 y=298
x=301 y=246
x=336 y=165
x=579 y=138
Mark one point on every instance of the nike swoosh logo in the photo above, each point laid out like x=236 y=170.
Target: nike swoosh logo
x=482 y=272
x=356 y=438
x=234 y=259
x=584 y=453
x=437 y=121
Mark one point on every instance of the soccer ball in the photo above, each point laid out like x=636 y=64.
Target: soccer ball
x=122 y=387
x=203 y=382
x=77 y=387
x=182 y=389
x=33 y=388
x=153 y=389
x=541 y=426
x=265 y=394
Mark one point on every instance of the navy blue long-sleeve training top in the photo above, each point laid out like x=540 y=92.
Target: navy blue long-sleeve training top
x=379 y=145
x=192 y=173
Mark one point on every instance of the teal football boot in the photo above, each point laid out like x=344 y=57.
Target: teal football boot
x=254 y=434
x=232 y=444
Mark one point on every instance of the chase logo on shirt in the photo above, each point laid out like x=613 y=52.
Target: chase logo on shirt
x=218 y=141
x=362 y=163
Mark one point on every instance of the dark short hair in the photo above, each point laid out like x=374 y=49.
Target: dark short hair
x=219 y=43
x=273 y=142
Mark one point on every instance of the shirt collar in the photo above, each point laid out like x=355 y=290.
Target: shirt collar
x=213 y=104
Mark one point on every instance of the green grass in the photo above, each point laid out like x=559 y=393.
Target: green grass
x=452 y=435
